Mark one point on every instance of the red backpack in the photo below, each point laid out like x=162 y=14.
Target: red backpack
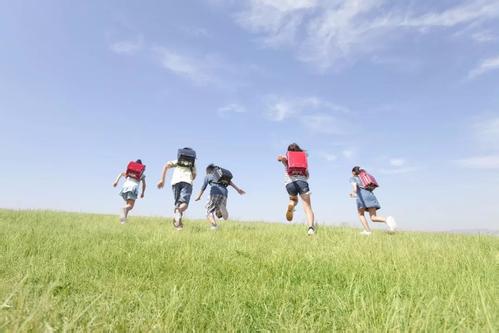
x=135 y=170
x=368 y=181
x=297 y=163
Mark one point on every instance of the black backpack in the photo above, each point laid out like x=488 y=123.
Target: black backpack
x=186 y=157
x=222 y=176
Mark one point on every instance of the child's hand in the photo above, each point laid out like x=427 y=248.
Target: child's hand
x=281 y=158
x=142 y=195
x=197 y=199
x=161 y=184
x=241 y=191
x=115 y=184
x=353 y=195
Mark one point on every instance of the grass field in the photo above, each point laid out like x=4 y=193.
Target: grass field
x=64 y=271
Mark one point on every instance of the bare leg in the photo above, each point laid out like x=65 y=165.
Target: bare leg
x=129 y=206
x=374 y=217
x=293 y=201
x=212 y=219
x=182 y=208
x=307 y=206
x=363 y=220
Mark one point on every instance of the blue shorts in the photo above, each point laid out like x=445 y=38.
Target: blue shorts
x=182 y=193
x=366 y=199
x=297 y=187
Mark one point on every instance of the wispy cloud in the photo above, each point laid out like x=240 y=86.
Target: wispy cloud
x=232 y=108
x=483 y=37
x=317 y=115
x=398 y=166
x=127 y=47
x=397 y=162
x=326 y=33
x=487 y=65
x=488 y=162
x=195 y=69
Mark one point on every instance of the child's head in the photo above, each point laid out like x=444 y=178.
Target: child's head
x=294 y=147
x=210 y=168
x=138 y=161
x=356 y=170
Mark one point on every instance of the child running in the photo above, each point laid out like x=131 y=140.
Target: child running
x=182 y=179
x=296 y=180
x=134 y=175
x=367 y=201
x=219 y=180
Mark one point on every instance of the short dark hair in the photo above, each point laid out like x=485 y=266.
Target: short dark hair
x=356 y=170
x=138 y=161
x=294 y=147
x=210 y=168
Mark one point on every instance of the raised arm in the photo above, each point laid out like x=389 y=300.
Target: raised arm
x=283 y=159
x=122 y=174
x=240 y=191
x=161 y=182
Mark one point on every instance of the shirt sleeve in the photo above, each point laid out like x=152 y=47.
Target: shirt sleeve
x=172 y=164
x=205 y=183
x=355 y=181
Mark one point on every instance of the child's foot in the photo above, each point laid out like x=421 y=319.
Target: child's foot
x=365 y=233
x=311 y=231
x=289 y=212
x=177 y=217
x=219 y=214
x=177 y=225
x=122 y=220
x=214 y=226
x=392 y=225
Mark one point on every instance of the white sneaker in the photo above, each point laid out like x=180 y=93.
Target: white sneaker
x=392 y=225
x=366 y=233
x=122 y=220
x=214 y=226
x=311 y=231
x=177 y=216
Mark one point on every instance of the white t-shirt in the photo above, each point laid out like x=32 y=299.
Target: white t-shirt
x=289 y=179
x=181 y=173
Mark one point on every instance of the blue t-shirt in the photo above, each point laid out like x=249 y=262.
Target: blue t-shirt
x=356 y=180
x=216 y=189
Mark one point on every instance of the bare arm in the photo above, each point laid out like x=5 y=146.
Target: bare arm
x=161 y=182
x=240 y=191
x=199 y=195
x=122 y=174
x=354 y=190
x=143 y=187
x=283 y=160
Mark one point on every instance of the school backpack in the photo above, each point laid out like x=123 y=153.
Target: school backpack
x=135 y=170
x=222 y=176
x=368 y=181
x=297 y=163
x=186 y=157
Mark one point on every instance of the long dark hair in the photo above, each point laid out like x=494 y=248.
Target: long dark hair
x=210 y=168
x=294 y=147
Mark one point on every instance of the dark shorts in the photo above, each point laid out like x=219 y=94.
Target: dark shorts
x=182 y=193
x=297 y=187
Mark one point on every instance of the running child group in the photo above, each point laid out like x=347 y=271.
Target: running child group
x=296 y=175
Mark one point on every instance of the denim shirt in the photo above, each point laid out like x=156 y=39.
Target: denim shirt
x=216 y=189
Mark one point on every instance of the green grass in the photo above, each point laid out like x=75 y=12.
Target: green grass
x=64 y=271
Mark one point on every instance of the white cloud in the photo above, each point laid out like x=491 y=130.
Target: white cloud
x=348 y=153
x=485 y=66
x=127 y=47
x=397 y=162
x=185 y=66
x=483 y=37
x=326 y=33
x=313 y=113
x=399 y=171
x=231 y=108
x=488 y=162
x=329 y=157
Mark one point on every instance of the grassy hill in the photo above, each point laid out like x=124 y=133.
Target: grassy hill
x=66 y=271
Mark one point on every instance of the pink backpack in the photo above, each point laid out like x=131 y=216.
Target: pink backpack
x=368 y=181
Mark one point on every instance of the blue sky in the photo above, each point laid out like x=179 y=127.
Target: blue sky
x=406 y=89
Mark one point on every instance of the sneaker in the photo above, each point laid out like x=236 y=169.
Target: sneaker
x=289 y=212
x=122 y=220
x=214 y=226
x=219 y=214
x=177 y=217
x=392 y=225
x=311 y=231
x=177 y=225
x=366 y=233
